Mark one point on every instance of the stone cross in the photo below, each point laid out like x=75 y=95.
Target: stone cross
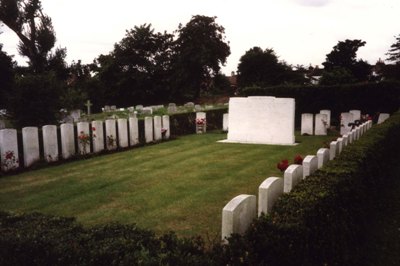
x=88 y=104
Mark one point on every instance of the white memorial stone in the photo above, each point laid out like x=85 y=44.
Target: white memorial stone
x=123 y=133
x=310 y=165
x=238 y=214
x=292 y=176
x=340 y=145
x=225 y=122
x=165 y=127
x=50 y=143
x=345 y=140
x=333 y=150
x=133 y=131
x=328 y=116
x=157 y=128
x=321 y=124
x=111 y=134
x=346 y=119
x=83 y=140
x=30 y=144
x=2 y=124
x=9 y=149
x=148 y=129
x=323 y=157
x=97 y=136
x=67 y=140
x=201 y=122
x=356 y=114
x=261 y=120
x=383 y=117
x=268 y=192
x=307 y=124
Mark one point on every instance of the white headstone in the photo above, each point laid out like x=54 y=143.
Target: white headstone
x=133 y=131
x=50 y=143
x=321 y=124
x=2 y=124
x=201 y=122
x=139 y=108
x=346 y=119
x=111 y=135
x=310 y=165
x=147 y=111
x=382 y=117
x=323 y=157
x=307 y=124
x=328 y=116
x=166 y=129
x=268 y=193
x=83 y=137
x=356 y=114
x=157 y=128
x=9 y=149
x=225 y=122
x=30 y=144
x=261 y=120
x=345 y=140
x=123 y=133
x=292 y=176
x=358 y=132
x=97 y=136
x=340 y=145
x=148 y=129
x=76 y=115
x=238 y=214
x=333 y=150
x=67 y=140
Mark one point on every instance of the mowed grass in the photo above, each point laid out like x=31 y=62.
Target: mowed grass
x=180 y=185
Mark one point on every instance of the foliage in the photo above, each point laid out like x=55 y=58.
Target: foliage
x=36 y=34
x=6 y=77
x=394 y=51
x=262 y=68
x=199 y=51
x=342 y=66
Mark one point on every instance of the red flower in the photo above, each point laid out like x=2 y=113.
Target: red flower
x=298 y=159
x=9 y=155
x=283 y=165
x=93 y=129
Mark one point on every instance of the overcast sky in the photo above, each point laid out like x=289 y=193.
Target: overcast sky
x=299 y=31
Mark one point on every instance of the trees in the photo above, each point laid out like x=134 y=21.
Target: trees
x=342 y=61
x=394 y=51
x=6 y=77
x=199 y=51
x=259 y=67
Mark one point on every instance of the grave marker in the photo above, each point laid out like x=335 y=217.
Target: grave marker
x=50 y=143
x=166 y=130
x=268 y=192
x=346 y=119
x=67 y=140
x=201 y=122
x=321 y=124
x=123 y=133
x=30 y=144
x=225 y=122
x=148 y=129
x=157 y=128
x=83 y=137
x=310 y=165
x=97 y=136
x=307 y=121
x=292 y=176
x=328 y=116
x=133 y=131
x=323 y=157
x=9 y=149
x=111 y=135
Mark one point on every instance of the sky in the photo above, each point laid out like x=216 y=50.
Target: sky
x=301 y=32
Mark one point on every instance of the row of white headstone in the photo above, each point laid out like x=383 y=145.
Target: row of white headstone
x=238 y=214
x=156 y=128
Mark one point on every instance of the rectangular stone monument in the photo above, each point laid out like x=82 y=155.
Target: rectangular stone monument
x=9 y=149
x=30 y=144
x=157 y=128
x=148 y=129
x=328 y=116
x=268 y=192
x=356 y=114
x=333 y=150
x=345 y=120
x=76 y=115
x=340 y=145
x=147 y=111
x=50 y=143
x=383 y=117
x=123 y=133
x=225 y=122
x=107 y=108
x=139 y=108
x=307 y=121
x=67 y=140
x=292 y=176
x=166 y=127
x=84 y=138
x=345 y=140
x=111 y=135
x=323 y=157
x=261 y=120
x=310 y=165
x=97 y=136
x=321 y=124
x=113 y=108
x=133 y=131
x=201 y=122
x=238 y=214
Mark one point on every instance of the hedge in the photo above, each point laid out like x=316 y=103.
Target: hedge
x=370 y=98
x=323 y=220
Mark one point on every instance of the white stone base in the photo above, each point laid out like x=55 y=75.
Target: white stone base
x=245 y=142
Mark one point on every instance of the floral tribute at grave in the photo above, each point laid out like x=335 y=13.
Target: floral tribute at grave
x=85 y=139
x=200 y=125
x=10 y=162
x=284 y=164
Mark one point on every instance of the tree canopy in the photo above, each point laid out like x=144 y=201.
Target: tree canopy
x=394 y=51
x=6 y=77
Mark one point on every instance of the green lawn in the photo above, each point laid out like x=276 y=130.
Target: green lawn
x=180 y=185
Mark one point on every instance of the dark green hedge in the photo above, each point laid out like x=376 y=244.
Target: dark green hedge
x=323 y=220
x=370 y=98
